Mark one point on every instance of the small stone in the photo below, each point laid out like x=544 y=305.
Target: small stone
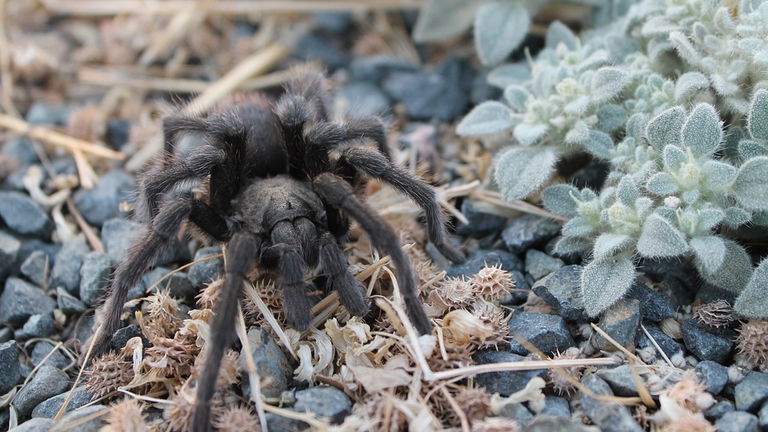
x=548 y=423
x=482 y=90
x=610 y=417
x=666 y=343
x=713 y=375
x=30 y=245
x=68 y=303
x=528 y=231
x=522 y=284
x=45 y=113
x=762 y=417
x=94 y=277
x=118 y=132
x=270 y=361
x=20 y=300
x=278 y=423
x=378 y=67
x=517 y=412
x=6 y=334
x=74 y=419
x=10 y=373
x=737 y=421
x=705 y=345
x=620 y=379
x=653 y=305
x=312 y=47
x=42 y=349
x=66 y=269
x=719 y=409
x=118 y=235
x=556 y=406
x=34 y=425
x=362 y=99
x=751 y=392
x=426 y=95
x=36 y=267
x=177 y=284
x=205 y=272
x=50 y=407
x=621 y=322
x=22 y=149
x=47 y=382
x=37 y=326
x=561 y=289
x=480 y=223
x=539 y=264
x=333 y=22
x=326 y=402
x=482 y=258
x=122 y=335
x=546 y=332
x=103 y=201
x=9 y=251
x=505 y=382
x=24 y=216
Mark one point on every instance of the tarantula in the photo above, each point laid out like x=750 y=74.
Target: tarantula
x=280 y=188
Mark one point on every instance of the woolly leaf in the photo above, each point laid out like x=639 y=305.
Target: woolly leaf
x=735 y=217
x=578 y=106
x=757 y=121
x=528 y=134
x=643 y=206
x=516 y=96
x=674 y=157
x=599 y=144
x=579 y=133
x=627 y=191
x=509 y=74
x=684 y=48
x=709 y=251
x=558 y=33
x=522 y=171
x=661 y=184
x=665 y=212
x=578 y=227
x=748 y=149
x=604 y=282
x=753 y=301
x=688 y=84
x=751 y=185
x=487 y=118
x=717 y=174
x=607 y=83
x=571 y=245
x=691 y=196
x=735 y=272
x=560 y=199
x=499 y=29
x=441 y=19
x=611 y=117
x=710 y=218
x=609 y=244
x=760 y=219
x=659 y=239
x=703 y=130
x=666 y=128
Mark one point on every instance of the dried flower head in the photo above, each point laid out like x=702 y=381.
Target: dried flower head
x=229 y=370
x=272 y=297
x=497 y=319
x=752 y=343
x=179 y=413
x=492 y=283
x=690 y=394
x=126 y=416
x=451 y=293
x=161 y=312
x=107 y=374
x=209 y=295
x=171 y=357
x=236 y=419
x=689 y=422
x=474 y=403
x=464 y=327
x=557 y=380
x=716 y=314
x=88 y=123
x=496 y=424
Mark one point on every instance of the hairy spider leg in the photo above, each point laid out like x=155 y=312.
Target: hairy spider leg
x=337 y=192
x=334 y=264
x=242 y=252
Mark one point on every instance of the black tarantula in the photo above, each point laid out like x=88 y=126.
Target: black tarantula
x=281 y=184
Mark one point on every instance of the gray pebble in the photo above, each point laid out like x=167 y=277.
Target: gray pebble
x=205 y=272
x=9 y=251
x=363 y=99
x=47 y=382
x=705 y=345
x=528 y=231
x=103 y=201
x=278 y=423
x=177 y=284
x=610 y=417
x=737 y=421
x=10 y=373
x=326 y=402
x=122 y=335
x=118 y=235
x=20 y=300
x=73 y=419
x=270 y=360
x=426 y=95
x=6 y=334
x=480 y=223
x=66 y=269
x=68 y=303
x=561 y=289
x=713 y=375
x=34 y=425
x=376 y=68
x=24 y=216
x=481 y=258
x=37 y=267
x=546 y=332
x=45 y=113
x=751 y=392
x=313 y=47
x=666 y=343
x=37 y=326
x=539 y=264
x=94 y=277
x=556 y=406
x=50 y=407
x=762 y=416
x=517 y=412
x=620 y=379
x=42 y=349
x=654 y=306
x=621 y=322
x=719 y=409
x=22 y=149
x=333 y=22
x=548 y=423
x=506 y=382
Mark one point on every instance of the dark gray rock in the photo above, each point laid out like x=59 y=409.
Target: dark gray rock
x=47 y=382
x=480 y=223
x=34 y=425
x=22 y=149
x=9 y=251
x=528 y=231
x=118 y=133
x=482 y=90
x=517 y=412
x=426 y=95
x=653 y=305
x=751 y=392
x=20 y=300
x=24 y=216
x=45 y=113
x=546 y=332
x=68 y=303
x=621 y=322
x=719 y=409
x=480 y=258
x=507 y=382
x=737 y=421
x=42 y=349
x=762 y=417
x=66 y=269
x=327 y=402
x=118 y=235
x=363 y=99
x=37 y=326
x=30 y=245
x=539 y=264
x=10 y=373
x=74 y=419
x=705 y=345
x=270 y=361
x=6 y=334
x=278 y=423
x=177 y=284
x=36 y=267
x=556 y=406
x=205 y=272
x=713 y=375
x=122 y=335
x=610 y=417
x=94 y=277
x=376 y=68
x=561 y=289
x=521 y=283
x=620 y=379
x=50 y=407
x=103 y=201
x=666 y=343
x=312 y=47
x=333 y=22
x=548 y=423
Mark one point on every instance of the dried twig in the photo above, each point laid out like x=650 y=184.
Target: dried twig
x=253 y=373
x=90 y=234
x=516 y=205
x=5 y=65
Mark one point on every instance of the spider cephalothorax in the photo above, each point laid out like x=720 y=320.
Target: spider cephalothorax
x=280 y=185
